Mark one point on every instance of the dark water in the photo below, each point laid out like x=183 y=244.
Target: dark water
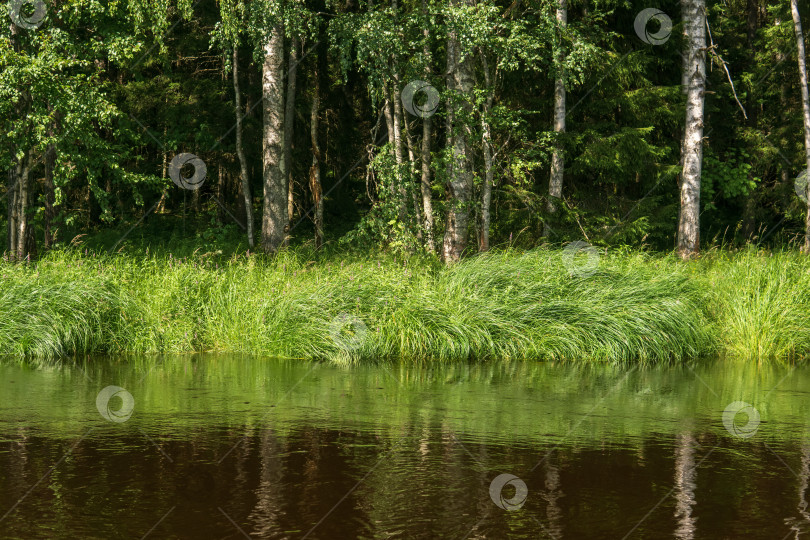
x=234 y=447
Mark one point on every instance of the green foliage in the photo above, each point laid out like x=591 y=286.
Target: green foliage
x=388 y=224
x=727 y=178
x=113 y=90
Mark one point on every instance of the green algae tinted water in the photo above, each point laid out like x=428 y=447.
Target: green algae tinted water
x=223 y=446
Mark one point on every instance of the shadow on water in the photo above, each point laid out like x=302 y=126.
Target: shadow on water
x=223 y=446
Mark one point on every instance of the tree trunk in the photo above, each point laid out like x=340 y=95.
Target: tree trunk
x=11 y=221
x=486 y=143
x=289 y=125
x=161 y=206
x=50 y=197
x=240 y=150
x=689 y=220
x=797 y=25
x=448 y=119
x=18 y=181
x=417 y=210
x=315 y=170
x=752 y=26
x=427 y=134
x=461 y=179
x=389 y=124
x=555 y=182
x=427 y=197
x=19 y=222
x=404 y=182
x=274 y=217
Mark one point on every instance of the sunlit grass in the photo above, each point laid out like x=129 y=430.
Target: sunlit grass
x=500 y=306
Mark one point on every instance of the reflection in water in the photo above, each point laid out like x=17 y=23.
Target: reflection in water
x=685 y=474
x=552 y=494
x=266 y=514
x=797 y=525
x=217 y=445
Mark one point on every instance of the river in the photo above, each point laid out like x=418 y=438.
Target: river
x=225 y=446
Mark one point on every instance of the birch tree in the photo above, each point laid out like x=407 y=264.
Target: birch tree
x=557 y=161
x=460 y=182
x=274 y=216
x=427 y=135
x=693 y=12
x=797 y=26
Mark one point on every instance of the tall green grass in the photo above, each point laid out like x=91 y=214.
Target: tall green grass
x=346 y=308
x=760 y=303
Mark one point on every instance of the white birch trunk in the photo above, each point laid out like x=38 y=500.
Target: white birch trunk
x=274 y=218
x=689 y=220
x=461 y=178
x=797 y=25
x=555 y=182
x=427 y=134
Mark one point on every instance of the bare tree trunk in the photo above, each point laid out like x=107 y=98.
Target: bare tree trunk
x=315 y=170
x=555 y=182
x=396 y=125
x=427 y=197
x=396 y=101
x=427 y=134
x=21 y=223
x=449 y=116
x=486 y=143
x=417 y=210
x=240 y=150
x=220 y=189
x=50 y=197
x=461 y=179
x=389 y=124
x=797 y=25
x=689 y=221
x=161 y=206
x=289 y=125
x=11 y=222
x=274 y=217
x=18 y=181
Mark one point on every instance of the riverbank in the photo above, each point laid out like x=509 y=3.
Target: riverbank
x=505 y=306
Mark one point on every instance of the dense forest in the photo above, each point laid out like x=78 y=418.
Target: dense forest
x=408 y=125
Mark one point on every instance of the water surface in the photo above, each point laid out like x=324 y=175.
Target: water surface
x=221 y=446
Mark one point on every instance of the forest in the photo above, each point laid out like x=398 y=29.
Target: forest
x=299 y=144
x=440 y=127
x=404 y=269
